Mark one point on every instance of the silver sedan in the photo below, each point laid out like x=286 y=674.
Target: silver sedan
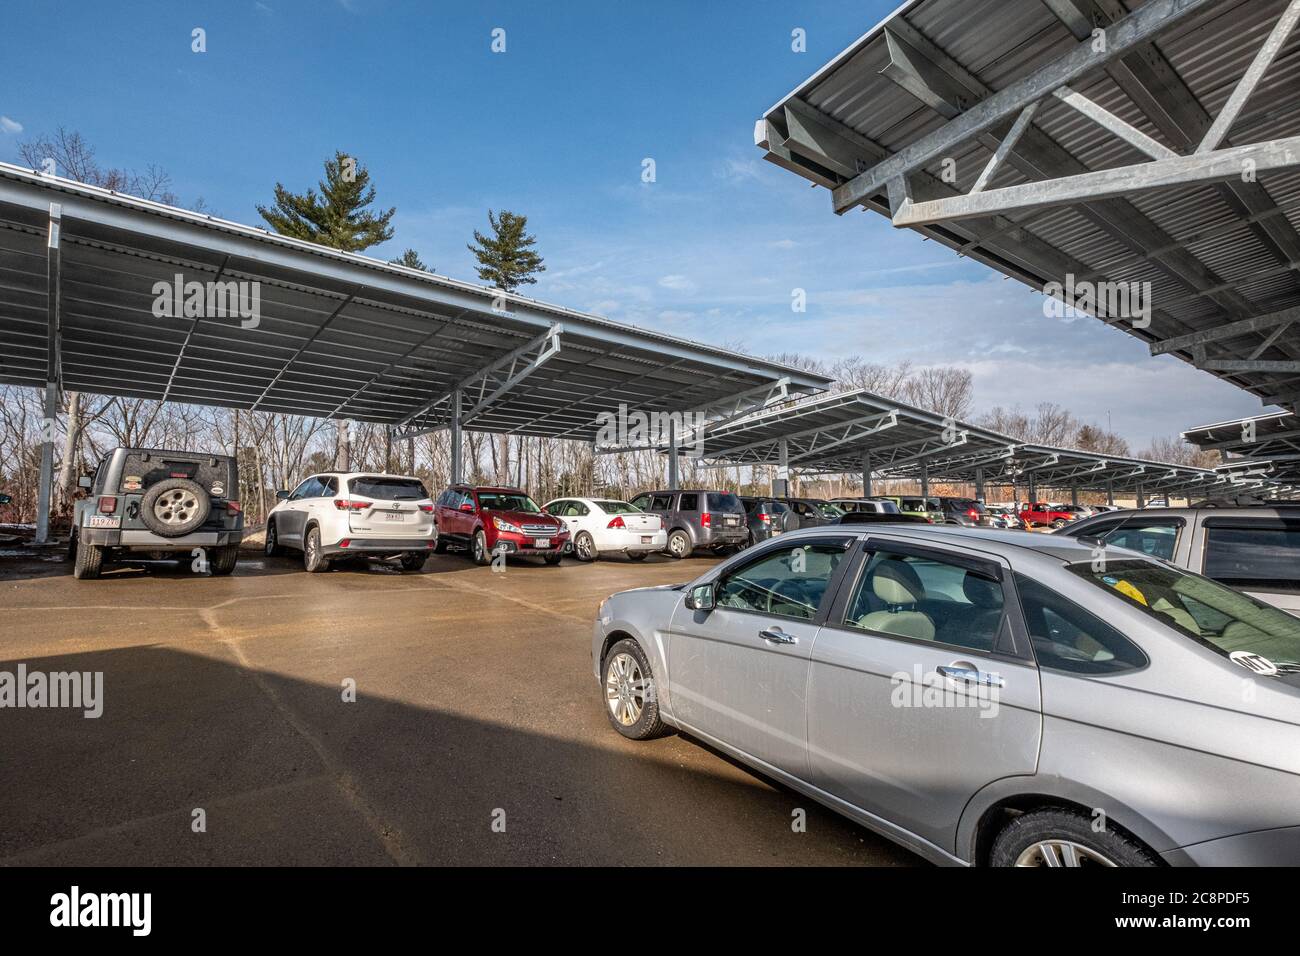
x=982 y=697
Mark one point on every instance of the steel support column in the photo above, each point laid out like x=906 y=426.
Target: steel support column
x=673 y=480
x=866 y=474
x=979 y=485
x=781 y=484
x=1074 y=495
x=925 y=479
x=44 y=493
x=457 y=466
x=49 y=424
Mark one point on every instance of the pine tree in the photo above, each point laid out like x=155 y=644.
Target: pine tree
x=506 y=259
x=411 y=259
x=337 y=217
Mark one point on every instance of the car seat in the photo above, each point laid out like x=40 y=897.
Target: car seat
x=895 y=583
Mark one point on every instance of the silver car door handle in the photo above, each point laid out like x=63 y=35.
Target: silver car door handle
x=970 y=675
x=774 y=635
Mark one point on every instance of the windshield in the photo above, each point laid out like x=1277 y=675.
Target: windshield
x=388 y=489
x=617 y=508
x=828 y=510
x=506 y=501
x=1219 y=617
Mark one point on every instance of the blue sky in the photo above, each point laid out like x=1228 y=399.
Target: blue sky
x=557 y=128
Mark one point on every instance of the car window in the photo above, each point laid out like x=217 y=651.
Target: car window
x=641 y=501
x=617 y=507
x=1246 y=554
x=328 y=487
x=305 y=490
x=1158 y=539
x=1066 y=637
x=384 y=488
x=577 y=510
x=723 y=501
x=507 y=501
x=785 y=582
x=1213 y=614
x=927 y=598
x=689 y=502
x=661 y=503
x=830 y=510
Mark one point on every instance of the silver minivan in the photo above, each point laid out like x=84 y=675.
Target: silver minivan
x=981 y=696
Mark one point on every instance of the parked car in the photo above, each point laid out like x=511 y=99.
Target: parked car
x=490 y=520
x=975 y=695
x=1042 y=513
x=336 y=515
x=696 y=518
x=877 y=505
x=158 y=504
x=767 y=517
x=966 y=512
x=916 y=505
x=1005 y=516
x=813 y=512
x=600 y=525
x=1255 y=548
x=881 y=517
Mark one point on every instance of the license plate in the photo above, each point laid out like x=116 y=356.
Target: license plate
x=394 y=516
x=647 y=539
x=104 y=521
x=776 y=531
x=541 y=542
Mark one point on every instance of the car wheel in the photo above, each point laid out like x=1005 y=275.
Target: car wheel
x=175 y=507
x=1058 y=523
x=224 y=560
x=679 y=544
x=480 y=549
x=637 y=555
x=312 y=558
x=273 y=548
x=631 y=703
x=439 y=545
x=1057 y=837
x=584 y=548
x=413 y=560
x=88 y=562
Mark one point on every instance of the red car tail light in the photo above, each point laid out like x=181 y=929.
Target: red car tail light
x=107 y=505
x=345 y=542
x=766 y=519
x=972 y=514
x=427 y=509
x=348 y=504
x=616 y=523
x=706 y=519
x=234 y=507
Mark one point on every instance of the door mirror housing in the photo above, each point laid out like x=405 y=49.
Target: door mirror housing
x=701 y=598
x=282 y=495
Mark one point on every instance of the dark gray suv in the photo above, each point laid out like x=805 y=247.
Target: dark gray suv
x=697 y=518
x=158 y=504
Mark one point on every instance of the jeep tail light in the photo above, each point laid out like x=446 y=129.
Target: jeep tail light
x=234 y=507
x=349 y=504
x=107 y=505
x=616 y=523
x=706 y=519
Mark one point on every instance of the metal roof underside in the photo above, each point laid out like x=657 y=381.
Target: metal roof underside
x=845 y=432
x=1166 y=120
x=1266 y=446
x=340 y=335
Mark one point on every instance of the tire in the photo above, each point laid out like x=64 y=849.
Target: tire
x=88 y=562
x=633 y=710
x=273 y=546
x=312 y=558
x=584 y=547
x=175 y=507
x=224 y=560
x=479 y=550
x=1028 y=841
x=679 y=544
x=637 y=555
x=439 y=545
x=1058 y=524
x=553 y=559
x=413 y=560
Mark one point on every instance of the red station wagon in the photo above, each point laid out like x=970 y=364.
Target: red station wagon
x=487 y=520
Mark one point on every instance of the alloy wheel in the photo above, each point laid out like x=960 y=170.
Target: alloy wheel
x=625 y=689
x=1061 y=853
x=175 y=507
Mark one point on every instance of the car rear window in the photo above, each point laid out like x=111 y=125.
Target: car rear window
x=724 y=501
x=382 y=488
x=617 y=508
x=1253 y=554
x=141 y=470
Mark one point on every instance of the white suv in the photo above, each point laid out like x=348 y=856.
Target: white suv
x=338 y=514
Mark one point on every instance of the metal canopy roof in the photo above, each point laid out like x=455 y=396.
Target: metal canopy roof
x=1005 y=130
x=340 y=335
x=847 y=432
x=1265 y=446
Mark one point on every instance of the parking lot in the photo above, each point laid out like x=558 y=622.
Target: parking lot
x=475 y=704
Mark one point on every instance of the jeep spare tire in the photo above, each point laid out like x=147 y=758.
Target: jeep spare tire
x=175 y=507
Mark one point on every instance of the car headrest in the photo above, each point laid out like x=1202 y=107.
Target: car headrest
x=894 y=582
x=981 y=591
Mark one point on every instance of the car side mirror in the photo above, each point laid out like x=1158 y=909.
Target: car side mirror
x=85 y=481
x=700 y=598
x=282 y=495
x=467 y=508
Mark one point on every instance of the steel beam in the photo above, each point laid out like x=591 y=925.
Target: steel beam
x=1112 y=123
x=1229 y=330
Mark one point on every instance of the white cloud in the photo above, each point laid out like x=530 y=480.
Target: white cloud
x=678 y=283
x=10 y=126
